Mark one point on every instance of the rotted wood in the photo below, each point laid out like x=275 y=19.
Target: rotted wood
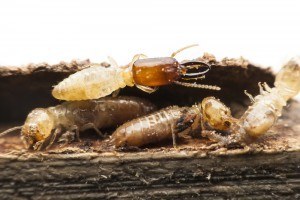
x=267 y=169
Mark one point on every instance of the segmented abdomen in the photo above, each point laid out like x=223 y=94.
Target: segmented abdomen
x=90 y=83
x=148 y=129
x=262 y=115
x=103 y=113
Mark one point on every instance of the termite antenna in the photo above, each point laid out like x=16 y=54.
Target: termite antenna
x=182 y=49
x=196 y=78
x=10 y=130
x=194 y=69
x=195 y=85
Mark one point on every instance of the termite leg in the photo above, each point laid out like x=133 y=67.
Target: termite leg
x=135 y=58
x=262 y=89
x=92 y=126
x=67 y=137
x=138 y=56
x=147 y=88
x=250 y=96
x=267 y=87
x=174 y=138
x=182 y=49
x=214 y=136
x=115 y=93
x=232 y=140
x=53 y=137
x=76 y=129
x=44 y=144
x=197 y=126
x=38 y=145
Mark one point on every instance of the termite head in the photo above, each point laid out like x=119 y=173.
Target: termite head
x=154 y=72
x=216 y=114
x=37 y=127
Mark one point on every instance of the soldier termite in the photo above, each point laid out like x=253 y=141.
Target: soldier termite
x=266 y=108
x=166 y=124
x=44 y=124
x=146 y=74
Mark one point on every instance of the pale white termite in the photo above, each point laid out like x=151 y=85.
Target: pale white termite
x=266 y=107
x=146 y=74
x=43 y=125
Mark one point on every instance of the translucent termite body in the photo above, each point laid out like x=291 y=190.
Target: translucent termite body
x=266 y=107
x=46 y=123
x=165 y=124
x=92 y=83
x=146 y=74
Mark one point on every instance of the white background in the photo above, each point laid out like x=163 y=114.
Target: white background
x=265 y=32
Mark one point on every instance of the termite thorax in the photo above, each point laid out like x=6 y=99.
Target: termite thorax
x=155 y=71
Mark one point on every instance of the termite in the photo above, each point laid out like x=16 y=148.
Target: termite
x=266 y=107
x=43 y=125
x=145 y=73
x=167 y=123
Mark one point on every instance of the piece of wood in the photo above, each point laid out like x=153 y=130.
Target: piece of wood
x=268 y=169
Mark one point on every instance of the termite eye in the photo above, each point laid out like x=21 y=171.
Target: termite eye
x=227 y=123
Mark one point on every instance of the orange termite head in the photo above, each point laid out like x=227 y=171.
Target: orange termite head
x=37 y=127
x=154 y=72
x=166 y=70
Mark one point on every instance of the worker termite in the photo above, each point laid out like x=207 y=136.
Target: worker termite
x=167 y=123
x=266 y=108
x=44 y=124
x=146 y=74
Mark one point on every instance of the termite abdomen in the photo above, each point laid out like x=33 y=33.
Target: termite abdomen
x=155 y=71
x=156 y=127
